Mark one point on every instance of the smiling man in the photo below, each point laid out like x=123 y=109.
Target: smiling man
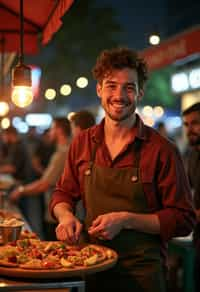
x=131 y=180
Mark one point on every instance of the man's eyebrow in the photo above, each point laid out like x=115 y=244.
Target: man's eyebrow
x=114 y=82
x=109 y=81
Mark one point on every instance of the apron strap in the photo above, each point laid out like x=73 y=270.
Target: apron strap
x=93 y=154
x=136 y=149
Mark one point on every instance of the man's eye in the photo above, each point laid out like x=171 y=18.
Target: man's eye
x=111 y=86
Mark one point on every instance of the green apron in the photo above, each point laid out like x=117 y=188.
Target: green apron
x=140 y=266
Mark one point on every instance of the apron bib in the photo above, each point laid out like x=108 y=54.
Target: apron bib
x=107 y=190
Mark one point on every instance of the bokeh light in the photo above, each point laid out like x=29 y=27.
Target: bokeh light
x=50 y=93
x=82 y=82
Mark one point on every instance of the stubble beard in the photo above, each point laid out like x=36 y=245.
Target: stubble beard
x=120 y=118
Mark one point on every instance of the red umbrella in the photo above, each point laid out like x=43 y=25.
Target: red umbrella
x=41 y=18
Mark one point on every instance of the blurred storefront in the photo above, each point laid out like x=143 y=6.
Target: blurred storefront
x=183 y=52
x=186 y=83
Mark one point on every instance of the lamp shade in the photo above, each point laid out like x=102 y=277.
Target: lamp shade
x=21 y=75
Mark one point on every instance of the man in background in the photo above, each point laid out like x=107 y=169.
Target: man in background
x=16 y=162
x=191 y=121
x=81 y=120
x=15 y=159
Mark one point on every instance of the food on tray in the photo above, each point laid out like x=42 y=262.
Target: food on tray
x=25 y=233
x=35 y=254
x=11 y=222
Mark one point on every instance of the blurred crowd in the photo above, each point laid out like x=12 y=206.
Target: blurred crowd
x=35 y=162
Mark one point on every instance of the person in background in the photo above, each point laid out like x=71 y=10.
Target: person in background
x=60 y=133
x=132 y=181
x=191 y=121
x=81 y=120
x=42 y=153
x=16 y=161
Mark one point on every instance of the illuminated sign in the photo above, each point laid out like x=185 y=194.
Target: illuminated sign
x=35 y=78
x=186 y=81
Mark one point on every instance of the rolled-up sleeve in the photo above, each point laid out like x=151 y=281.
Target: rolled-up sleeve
x=67 y=188
x=176 y=216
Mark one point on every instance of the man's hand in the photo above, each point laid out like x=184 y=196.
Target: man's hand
x=107 y=226
x=69 y=228
x=16 y=194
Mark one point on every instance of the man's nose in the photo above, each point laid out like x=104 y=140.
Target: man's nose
x=121 y=91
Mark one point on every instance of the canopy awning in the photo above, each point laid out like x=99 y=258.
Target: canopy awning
x=41 y=18
x=173 y=49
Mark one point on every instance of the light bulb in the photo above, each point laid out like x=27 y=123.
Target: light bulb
x=154 y=39
x=22 y=96
x=4 y=108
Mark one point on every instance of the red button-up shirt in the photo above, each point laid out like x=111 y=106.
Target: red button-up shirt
x=161 y=170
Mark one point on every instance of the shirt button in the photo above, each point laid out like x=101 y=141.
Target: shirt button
x=134 y=178
x=88 y=172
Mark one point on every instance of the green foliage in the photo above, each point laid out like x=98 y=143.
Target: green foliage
x=158 y=91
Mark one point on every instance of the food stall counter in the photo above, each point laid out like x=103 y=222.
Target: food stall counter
x=65 y=285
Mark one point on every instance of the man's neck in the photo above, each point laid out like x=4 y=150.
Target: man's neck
x=115 y=129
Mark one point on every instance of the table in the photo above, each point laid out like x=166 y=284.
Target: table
x=183 y=247
x=72 y=285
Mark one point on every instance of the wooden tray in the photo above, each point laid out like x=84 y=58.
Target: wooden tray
x=58 y=273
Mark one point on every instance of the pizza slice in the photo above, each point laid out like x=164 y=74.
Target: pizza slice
x=6 y=263
x=94 y=254
x=33 y=264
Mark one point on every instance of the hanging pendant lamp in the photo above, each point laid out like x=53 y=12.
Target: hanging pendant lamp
x=22 y=94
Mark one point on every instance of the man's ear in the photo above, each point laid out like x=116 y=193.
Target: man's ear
x=140 y=94
x=98 y=89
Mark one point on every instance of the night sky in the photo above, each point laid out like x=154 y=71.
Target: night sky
x=139 y=19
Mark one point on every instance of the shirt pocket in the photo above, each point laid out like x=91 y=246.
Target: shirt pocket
x=148 y=180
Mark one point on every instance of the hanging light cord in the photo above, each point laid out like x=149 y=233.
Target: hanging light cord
x=21 y=55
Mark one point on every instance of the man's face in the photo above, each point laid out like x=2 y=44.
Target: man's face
x=192 y=127
x=119 y=94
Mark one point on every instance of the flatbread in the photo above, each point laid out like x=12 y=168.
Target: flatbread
x=35 y=254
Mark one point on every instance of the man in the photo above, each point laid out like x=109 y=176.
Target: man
x=15 y=159
x=60 y=133
x=81 y=120
x=191 y=121
x=131 y=179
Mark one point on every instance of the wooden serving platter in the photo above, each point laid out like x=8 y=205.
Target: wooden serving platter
x=59 y=273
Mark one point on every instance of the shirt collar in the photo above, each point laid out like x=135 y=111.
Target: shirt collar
x=141 y=130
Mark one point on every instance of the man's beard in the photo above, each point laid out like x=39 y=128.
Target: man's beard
x=120 y=118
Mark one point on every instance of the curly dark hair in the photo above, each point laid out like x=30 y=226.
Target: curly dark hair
x=84 y=119
x=119 y=58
